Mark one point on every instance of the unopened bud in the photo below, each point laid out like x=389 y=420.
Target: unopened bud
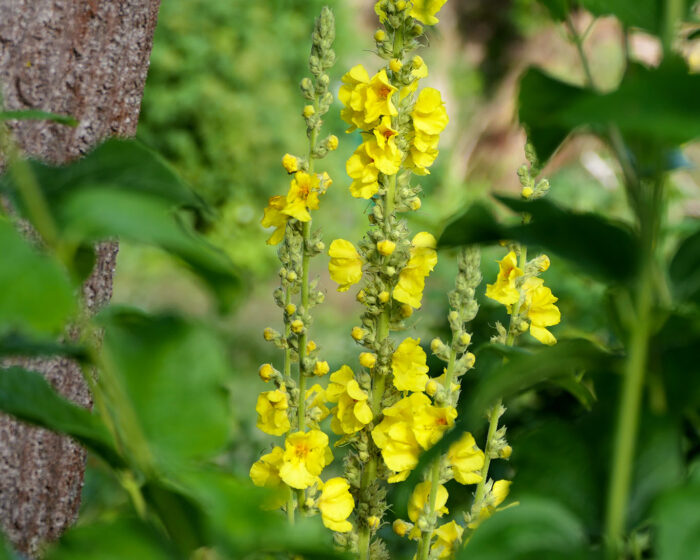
x=465 y=339
x=290 y=308
x=526 y=192
x=436 y=345
x=308 y=111
x=379 y=35
x=431 y=387
x=386 y=247
x=395 y=64
x=291 y=276
x=270 y=334
x=383 y=296
x=470 y=360
x=401 y=5
x=415 y=203
x=358 y=333
x=310 y=346
x=506 y=452
x=265 y=372
x=360 y=296
x=290 y=163
x=321 y=368
x=406 y=310
x=332 y=142
x=373 y=522
x=400 y=527
x=297 y=326
x=367 y=359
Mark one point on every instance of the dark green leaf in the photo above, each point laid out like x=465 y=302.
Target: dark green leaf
x=113 y=539
x=597 y=246
x=684 y=270
x=558 y=9
x=538 y=528
x=97 y=214
x=35 y=292
x=32 y=115
x=646 y=14
x=653 y=104
x=28 y=396
x=15 y=344
x=173 y=373
x=678 y=524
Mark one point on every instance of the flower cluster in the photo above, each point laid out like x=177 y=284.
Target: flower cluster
x=291 y=410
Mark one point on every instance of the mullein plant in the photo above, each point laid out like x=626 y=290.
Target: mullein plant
x=293 y=411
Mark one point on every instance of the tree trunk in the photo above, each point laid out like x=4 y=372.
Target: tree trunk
x=87 y=59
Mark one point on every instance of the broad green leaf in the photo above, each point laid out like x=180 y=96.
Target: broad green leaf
x=14 y=344
x=558 y=9
x=100 y=213
x=656 y=105
x=33 y=115
x=113 y=539
x=535 y=529
x=115 y=164
x=684 y=270
x=646 y=14
x=678 y=524
x=173 y=374
x=35 y=292
x=597 y=246
x=28 y=396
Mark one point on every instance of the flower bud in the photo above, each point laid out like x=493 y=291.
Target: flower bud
x=379 y=35
x=386 y=247
x=543 y=263
x=360 y=296
x=406 y=310
x=297 y=326
x=401 y=5
x=291 y=276
x=436 y=345
x=321 y=368
x=431 y=387
x=373 y=522
x=383 y=296
x=395 y=64
x=308 y=111
x=400 y=527
x=465 y=338
x=358 y=333
x=506 y=452
x=415 y=203
x=270 y=334
x=367 y=359
x=290 y=308
x=310 y=346
x=417 y=29
x=470 y=360
x=265 y=372
x=290 y=163
x=526 y=192
x=390 y=271
x=332 y=142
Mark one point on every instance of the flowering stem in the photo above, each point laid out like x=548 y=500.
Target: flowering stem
x=512 y=334
x=427 y=536
x=494 y=415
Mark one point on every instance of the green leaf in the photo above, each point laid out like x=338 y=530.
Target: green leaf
x=537 y=528
x=35 y=292
x=16 y=344
x=101 y=213
x=656 y=105
x=678 y=524
x=684 y=270
x=173 y=374
x=113 y=539
x=597 y=246
x=28 y=396
x=558 y=9
x=32 y=115
x=645 y=14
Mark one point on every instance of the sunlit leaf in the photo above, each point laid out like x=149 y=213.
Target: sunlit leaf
x=35 y=292
x=678 y=523
x=28 y=396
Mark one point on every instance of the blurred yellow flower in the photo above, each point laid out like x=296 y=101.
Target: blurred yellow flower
x=272 y=412
x=409 y=288
x=431 y=422
x=408 y=364
x=305 y=456
x=466 y=460
x=419 y=499
x=425 y=10
x=273 y=217
x=352 y=413
x=449 y=535
x=345 y=266
x=265 y=471
x=504 y=290
x=336 y=505
x=316 y=399
x=541 y=311
x=494 y=498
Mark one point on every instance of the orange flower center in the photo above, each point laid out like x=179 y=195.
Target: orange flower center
x=384 y=92
x=388 y=133
x=301 y=450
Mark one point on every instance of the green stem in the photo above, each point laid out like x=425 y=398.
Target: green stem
x=493 y=426
x=427 y=535
x=512 y=334
x=674 y=13
x=578 y=42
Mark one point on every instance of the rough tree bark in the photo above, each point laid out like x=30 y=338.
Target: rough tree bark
x=87 y=59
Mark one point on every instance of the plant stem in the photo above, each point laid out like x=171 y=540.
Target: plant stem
x=578 y=42
x=494 y=415
x=673 y=14
x=427 y=536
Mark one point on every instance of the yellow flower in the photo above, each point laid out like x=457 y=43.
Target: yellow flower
x=272 y=412
x=316 y=399
x=466 y=460
x=332 y=142
x=336 y=505
x=425 y=10
x=400 y=527
x=409 y=288
x=541 y=310
x=429 y=115
x=305 y=455
x=265 y=472
x=302 y=196
x=449 y=535
x=266 y=372
x=290 y=163
x=395 y=64
x=368 y=359
x=352 y=413
x=353 y=94
x=345 y=266
x=495 y=497
x=386 y=247
x=273 y=217
x=419 y=499
x=408 y=364
x=431 y=422
x=378 y=98
x=504 y=290
x=395 y=438
x=418 y=161
x=386 y=159
x=321 y=368
x=361 y=169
